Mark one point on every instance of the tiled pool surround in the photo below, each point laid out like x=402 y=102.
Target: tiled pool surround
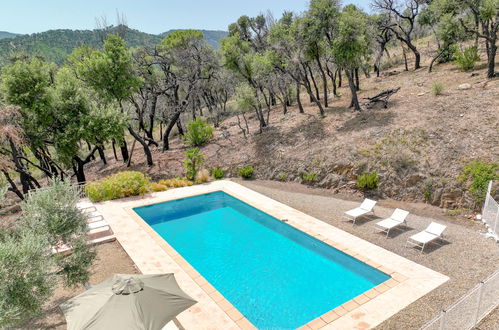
x=408 y=281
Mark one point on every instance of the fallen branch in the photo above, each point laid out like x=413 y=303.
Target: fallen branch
x=382 y=97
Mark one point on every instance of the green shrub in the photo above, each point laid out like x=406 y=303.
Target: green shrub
x=309 y=176
x=217 y=173
x=427 y=194
x=437 y=88
x=467 y=58
x=368 y=181
x=480 y=173
x=192 y=163
x=176 y=183
x=157 y=187
x=198 y=133
x=119 y=185
x=282 y=176
x=246 y=172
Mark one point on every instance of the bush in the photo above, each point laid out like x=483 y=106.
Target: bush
x=246 y=172
x=176 y=183
x=26 y=276
x=309 y=176
x=192 y=163
x=198 y=133
x=480 y=173
x=157 y=187
x=119 y=185
x=467 y=58
x=28 y=268
x=368 y=181
x=282 y=176
x=437 y=88
x=217 y=173
x=202 y=176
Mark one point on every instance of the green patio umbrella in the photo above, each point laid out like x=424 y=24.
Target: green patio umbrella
x=127 y=302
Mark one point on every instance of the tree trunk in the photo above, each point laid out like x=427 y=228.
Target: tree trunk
x=173 y=121
x=353 y=90
x=357 y=82
x=113 y=143
x=124 y=150
x=340 y=79
x=145 y=146
x=491 y=58
x=100 y=150
x=324 y=82
x=13 y=186
x=298 y=100
x=179 y=127
x=317 y=95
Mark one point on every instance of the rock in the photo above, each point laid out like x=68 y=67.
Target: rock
x=475 y=74
x=414 y=178
x=464 y=86
x=421 y=94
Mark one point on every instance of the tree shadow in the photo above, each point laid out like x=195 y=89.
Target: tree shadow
x=367 y=119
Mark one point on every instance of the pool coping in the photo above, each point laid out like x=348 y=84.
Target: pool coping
x=352 y=313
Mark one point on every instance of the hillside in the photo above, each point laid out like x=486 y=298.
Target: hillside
x=421 y=142
x=54 y=45
x=7 y=35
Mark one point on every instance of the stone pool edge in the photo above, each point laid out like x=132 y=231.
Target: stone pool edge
x=409 y=281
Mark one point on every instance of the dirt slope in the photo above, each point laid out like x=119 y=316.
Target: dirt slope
x=420 y=142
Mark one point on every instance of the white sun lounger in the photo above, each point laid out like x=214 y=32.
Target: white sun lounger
x=366 y=207
x=396 y=219
x=432 y=232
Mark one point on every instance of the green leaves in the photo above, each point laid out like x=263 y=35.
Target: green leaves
x=198 y=133
x=110 y=73
x=192 y=163
x=351 y=45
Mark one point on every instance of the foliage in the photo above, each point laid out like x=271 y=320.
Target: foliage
x=176 y=183
x=157 y=187
x=110 y=73
x=198 y=133
x=437 y=88
x=479 y=173
x=246 y=172
x=26 y=275
x=309 y=176
x=202 y=176
x=282 y=176
x=217 y=173
x=467 y=58
x=368 y=181
x=193 y=163
x=119 y=185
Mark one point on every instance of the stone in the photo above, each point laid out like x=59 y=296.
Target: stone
x=464 y=86
x=475 y=74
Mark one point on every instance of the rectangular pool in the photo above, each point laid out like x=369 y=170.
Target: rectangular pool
x=277 y=276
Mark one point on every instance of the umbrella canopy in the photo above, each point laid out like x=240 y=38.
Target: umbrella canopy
x=127 y=302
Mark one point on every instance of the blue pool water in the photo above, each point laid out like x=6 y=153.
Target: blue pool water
x=277 y=276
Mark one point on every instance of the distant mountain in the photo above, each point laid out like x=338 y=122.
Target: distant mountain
x=55 y=45
x=7 y=35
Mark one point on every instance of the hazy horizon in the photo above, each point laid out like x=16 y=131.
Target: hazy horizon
x=151 y=16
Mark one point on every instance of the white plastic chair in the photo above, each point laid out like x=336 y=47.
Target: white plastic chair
x=398 y=218
x=366 y=207
x=433 y=232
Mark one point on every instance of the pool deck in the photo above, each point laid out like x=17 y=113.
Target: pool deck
x=152 y=254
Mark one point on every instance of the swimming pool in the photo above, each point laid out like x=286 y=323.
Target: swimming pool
x=274 y=274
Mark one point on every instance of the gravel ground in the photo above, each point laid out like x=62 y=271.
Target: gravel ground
x=466 y=256
x=111 y=259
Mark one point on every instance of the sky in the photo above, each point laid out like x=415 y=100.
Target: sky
x=151 y=16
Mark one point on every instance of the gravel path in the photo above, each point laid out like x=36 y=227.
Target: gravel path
x=467 y=257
